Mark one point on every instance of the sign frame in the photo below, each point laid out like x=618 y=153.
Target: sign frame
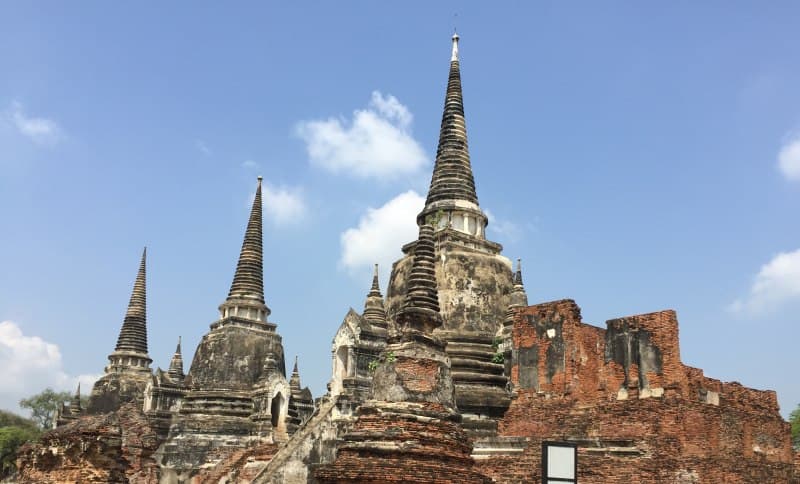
x=546 y=479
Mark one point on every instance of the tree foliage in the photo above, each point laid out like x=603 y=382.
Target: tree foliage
x=43 y=406
x=14 y=431
x=794 y=419
x=8 y=419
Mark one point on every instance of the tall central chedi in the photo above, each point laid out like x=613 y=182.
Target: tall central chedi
x=409 y=430
x=237 y=387
x=474 y=280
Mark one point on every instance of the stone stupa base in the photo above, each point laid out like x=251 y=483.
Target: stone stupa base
x=404 y=442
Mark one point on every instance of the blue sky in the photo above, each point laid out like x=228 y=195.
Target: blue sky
x=637 y=157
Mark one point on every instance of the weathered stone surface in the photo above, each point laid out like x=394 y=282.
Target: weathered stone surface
x=314 y=444
x=238 y=395
x=242 y=465
x=113 y=390
x=636 y=411
x=117 y=447
x=409 y=431
x=404 y=442
x=133 y=335
x=357 y=345
x=452 y=174
x=234 y=357
x=128 y=370
x=411 y=373
x=474 y=288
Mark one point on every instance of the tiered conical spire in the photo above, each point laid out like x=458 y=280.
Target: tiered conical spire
x=518 y=274
x=452 y=174
x=75 y=404
x=422 y=293
x=176 y=364
x=294 y=381
x=375 y=290
x=133 y=335
x=518 y=295
x=517 y=299
x=374 y=311
x=248 y=282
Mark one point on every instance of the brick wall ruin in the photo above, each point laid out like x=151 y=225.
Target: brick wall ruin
x=637 y=412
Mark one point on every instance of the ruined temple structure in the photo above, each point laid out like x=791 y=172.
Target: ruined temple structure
x=637 y=413
x=360 y=340
x=453 y=377
x=69 y=412
x=164 y=393
x=237 y=394
x=128 y=370
x=473 y=277
x=409 y=429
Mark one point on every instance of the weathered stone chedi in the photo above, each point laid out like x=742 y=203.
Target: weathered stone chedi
x=237 y=393
x=128 y=370
x=473 y=279
x=408 y=431
x=454 y=377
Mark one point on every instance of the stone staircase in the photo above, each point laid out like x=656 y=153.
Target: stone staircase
x=319 y=416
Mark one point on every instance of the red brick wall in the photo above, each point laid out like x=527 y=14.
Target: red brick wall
x=681 y=435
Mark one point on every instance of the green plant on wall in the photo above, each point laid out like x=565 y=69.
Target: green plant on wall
x=498 y=358
x=434 y=218
x=374 y=364
x=496 y=343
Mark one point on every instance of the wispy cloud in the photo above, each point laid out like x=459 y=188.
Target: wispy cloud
x=202 y=147
x=377 y=143
x=250 y=165
x=777 y=283
x=380 y=234
x=42 y=131
x=284 y=205
x=502 y=227
x=789 y=158
x=31 y=364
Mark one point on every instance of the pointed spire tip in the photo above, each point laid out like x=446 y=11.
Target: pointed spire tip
x=454 y=56
x=133 y=335
x=248 y=280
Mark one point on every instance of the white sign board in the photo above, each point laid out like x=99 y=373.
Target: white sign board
x=559 y=463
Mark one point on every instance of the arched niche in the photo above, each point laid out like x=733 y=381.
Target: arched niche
x=277 y=410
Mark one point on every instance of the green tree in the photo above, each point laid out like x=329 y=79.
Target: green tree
x=43 y=406
x=794 y=419
x=14 y=431
x=8 y=419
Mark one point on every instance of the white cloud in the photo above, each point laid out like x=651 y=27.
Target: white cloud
x=250 y=164
x=283 y=205
x=42 y=131
x=31 y=364
x=203 y=147
x=777 y=283
x=377 y=143
x=380 y=234
x=789 y=159
x=502 y=227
